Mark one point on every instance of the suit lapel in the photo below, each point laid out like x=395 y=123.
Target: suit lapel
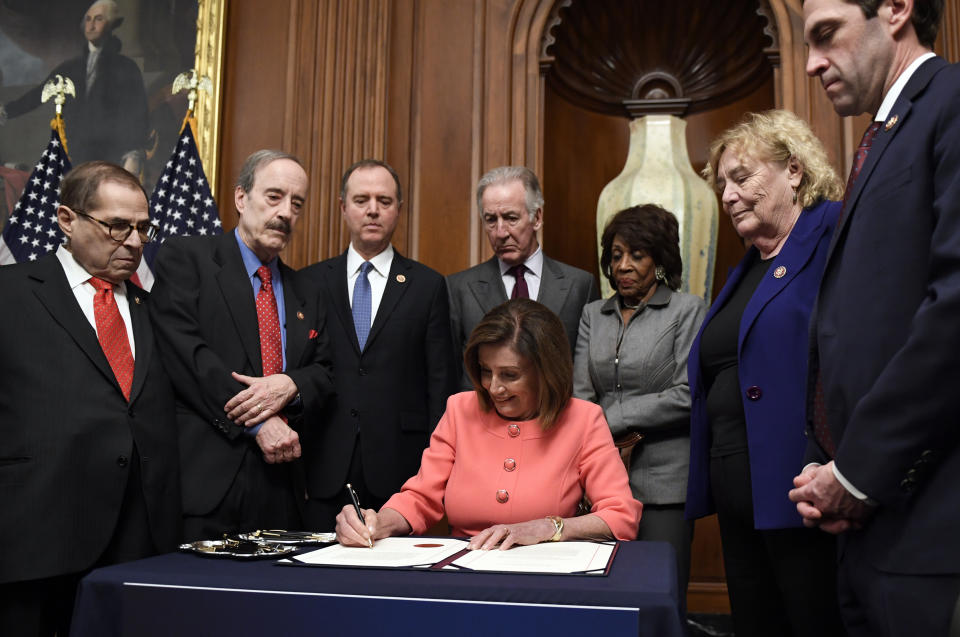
x=901 y=109
x=142 y=336
x=793 y=257
x=297 y=325
x=398 y=282
x=238 y=296
x=553 y=286
x=55 y=295
x=335 y=280
x=488 y=288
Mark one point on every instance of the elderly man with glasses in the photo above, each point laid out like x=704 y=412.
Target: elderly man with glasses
x=88 y=447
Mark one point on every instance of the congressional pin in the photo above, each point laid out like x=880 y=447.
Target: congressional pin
x=779 y=272
x=137 y=300
x=300 y=315
x=891 y=122
x=401 y=278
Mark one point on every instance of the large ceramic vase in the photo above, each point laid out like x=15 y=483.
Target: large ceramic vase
x=658 y=171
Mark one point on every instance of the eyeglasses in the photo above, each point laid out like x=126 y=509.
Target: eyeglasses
x=120 y=230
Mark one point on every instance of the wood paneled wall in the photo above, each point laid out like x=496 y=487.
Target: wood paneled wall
x=445 y=90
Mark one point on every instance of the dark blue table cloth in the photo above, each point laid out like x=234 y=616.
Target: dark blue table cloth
x=186 y=594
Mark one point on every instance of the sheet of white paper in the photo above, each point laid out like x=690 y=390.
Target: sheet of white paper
x=552 y=557
x=390 y=551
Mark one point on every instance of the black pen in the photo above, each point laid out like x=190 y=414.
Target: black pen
x=356 y=507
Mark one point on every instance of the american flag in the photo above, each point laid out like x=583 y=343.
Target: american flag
x=32 y=229
x=181 y=203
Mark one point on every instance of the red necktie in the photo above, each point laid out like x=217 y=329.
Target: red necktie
x=859 y=157
x=520 y=290
x=271 y=353
x=112 y=334
x=821 y=428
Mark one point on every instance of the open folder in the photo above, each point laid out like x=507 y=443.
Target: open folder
x=561 y=558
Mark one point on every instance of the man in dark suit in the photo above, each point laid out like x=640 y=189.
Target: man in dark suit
x=88 y=455
x=511 y=206
x=885 y=360
x=242 y=337
x=389 y=329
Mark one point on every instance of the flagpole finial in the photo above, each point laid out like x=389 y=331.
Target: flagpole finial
x=192 y=82
x=58 y=88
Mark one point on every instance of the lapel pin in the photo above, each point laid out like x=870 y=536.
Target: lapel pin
x=300 y=315
x=137 y=300
x=401 y=278
x=779 y=272
x=891 y=122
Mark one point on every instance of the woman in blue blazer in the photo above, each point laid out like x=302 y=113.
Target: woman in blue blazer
x=747 y=374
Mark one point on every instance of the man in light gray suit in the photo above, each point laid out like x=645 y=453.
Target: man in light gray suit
x=511 y=206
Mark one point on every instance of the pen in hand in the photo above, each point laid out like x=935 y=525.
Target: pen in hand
x=356 y=507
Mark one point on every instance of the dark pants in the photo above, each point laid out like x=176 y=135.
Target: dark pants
x=262 y=496
x=782 y=582
x=878 y=604
x=666 y=523
x=44 y=607
x=320 y=513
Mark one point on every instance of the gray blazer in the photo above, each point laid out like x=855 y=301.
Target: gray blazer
x=648 y=390
x=477 y=290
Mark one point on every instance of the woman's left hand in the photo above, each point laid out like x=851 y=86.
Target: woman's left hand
x=507 y=535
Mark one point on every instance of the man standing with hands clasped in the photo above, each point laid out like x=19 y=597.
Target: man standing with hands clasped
x=885 y=348
x=243 y=338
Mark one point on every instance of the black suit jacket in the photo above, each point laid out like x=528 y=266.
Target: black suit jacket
x=887 y=332
x=475 y=291
x=68 y=433
x=206 y=321
x=395 y=391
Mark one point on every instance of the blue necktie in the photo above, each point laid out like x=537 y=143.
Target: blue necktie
x=362 y=304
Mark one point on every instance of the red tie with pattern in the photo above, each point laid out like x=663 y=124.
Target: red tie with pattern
x=859 y=157
x=821 y=428
x=112 y=334
x=271 y=353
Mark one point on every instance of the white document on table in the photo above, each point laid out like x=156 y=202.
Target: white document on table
x=390 y=551
x=551 y=557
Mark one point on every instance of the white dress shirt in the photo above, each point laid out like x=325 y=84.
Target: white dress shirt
x=77 y=279
x=532 y=276
x=377 y=276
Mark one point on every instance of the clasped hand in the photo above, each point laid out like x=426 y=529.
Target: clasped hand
x=277 y=441
x=824 y=502
x=263 y=397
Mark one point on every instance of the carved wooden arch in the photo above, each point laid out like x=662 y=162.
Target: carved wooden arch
x=531 y=20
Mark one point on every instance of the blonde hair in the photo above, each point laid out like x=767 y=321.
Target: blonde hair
x=777 y=135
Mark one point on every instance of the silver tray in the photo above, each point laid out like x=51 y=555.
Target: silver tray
x=238 y=549
x=289 y=538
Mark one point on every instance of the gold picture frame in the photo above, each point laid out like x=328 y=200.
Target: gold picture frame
x=211 y=26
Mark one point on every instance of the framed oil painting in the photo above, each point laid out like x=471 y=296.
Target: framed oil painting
x=122 y=57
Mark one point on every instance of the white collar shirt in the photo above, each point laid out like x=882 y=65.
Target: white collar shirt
x=533 y=275
x=377 y=276
x=77 y=279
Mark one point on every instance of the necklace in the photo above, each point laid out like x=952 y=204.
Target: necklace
x=627 y=306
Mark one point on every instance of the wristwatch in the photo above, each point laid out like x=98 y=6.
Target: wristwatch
x=558 y=525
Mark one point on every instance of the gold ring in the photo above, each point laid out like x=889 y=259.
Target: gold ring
x=259 y=407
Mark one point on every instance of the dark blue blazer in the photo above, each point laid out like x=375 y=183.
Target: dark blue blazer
x=772 y=347
x=888 y=331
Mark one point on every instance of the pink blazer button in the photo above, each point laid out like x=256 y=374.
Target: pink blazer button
x=513 y=429
x=509 y=464
x=502 y=496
